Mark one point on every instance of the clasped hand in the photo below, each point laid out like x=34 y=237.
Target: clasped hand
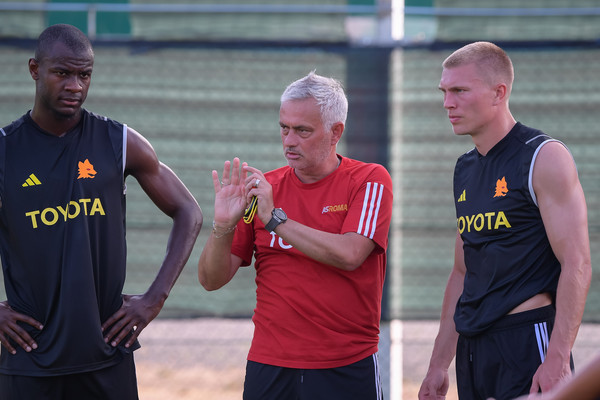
x=235 y=190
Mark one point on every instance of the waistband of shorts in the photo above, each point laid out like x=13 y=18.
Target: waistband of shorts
x=524 y=318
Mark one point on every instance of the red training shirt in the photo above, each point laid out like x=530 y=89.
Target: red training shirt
x=308 y=314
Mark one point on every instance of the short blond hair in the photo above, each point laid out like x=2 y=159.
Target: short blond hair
x=492 y=62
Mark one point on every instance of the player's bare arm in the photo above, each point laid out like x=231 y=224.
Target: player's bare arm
x=171 y=196
x=564 y=212
x=436 y=382
x=217 y=266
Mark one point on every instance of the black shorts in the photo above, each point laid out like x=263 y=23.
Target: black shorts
x=501 y=362
x=117 y=382
x=358 y=381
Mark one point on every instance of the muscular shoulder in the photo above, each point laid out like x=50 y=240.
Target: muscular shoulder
x=141 y=156
x=554 y=166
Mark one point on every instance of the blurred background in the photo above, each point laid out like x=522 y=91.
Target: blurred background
x=202 y=79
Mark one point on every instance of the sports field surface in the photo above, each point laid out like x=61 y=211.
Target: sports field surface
x=192 y=359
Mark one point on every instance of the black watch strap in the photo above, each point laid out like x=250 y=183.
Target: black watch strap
x=278 y=217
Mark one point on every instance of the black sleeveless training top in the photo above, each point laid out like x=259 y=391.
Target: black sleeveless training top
x=507 y=253
x=62 y=240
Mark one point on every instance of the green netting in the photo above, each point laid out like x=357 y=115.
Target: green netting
x=200 y=104
x=555 y=90
x=199 y=107
x=517 y=27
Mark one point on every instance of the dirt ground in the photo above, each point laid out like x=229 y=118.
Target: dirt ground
x=197 y=359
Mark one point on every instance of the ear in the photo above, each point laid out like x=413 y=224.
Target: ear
x=33 y=69
x=501 y=93
x=336 y=132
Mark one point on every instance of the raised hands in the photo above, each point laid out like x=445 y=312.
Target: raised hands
x=234 y=192
x=230 y=194
x=257 y=185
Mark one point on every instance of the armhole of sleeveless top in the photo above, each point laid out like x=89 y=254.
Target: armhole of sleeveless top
x=2 y=166
x=533 y=159
x=124 y=156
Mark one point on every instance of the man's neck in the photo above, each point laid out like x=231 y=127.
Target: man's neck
x=486 y=140
x=312 y=176
x=54 y=124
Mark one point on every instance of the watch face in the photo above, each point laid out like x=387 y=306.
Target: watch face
x=278 y=212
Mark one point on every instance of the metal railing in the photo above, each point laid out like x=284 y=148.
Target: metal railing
x=383 y=10
x=382 y=7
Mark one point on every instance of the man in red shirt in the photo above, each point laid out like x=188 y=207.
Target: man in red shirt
x=319 y=241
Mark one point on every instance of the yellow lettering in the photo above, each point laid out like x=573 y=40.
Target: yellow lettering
x=461 y=224
x=97 y=207
x=502 y=220
x=76 y=207
x=489 y=216
x=32 y=214
x=63 y=211
x=49 y=215
x=45 y=213
x=469 y=222
x=483 y=221
x=85 y=203
x=478 y=223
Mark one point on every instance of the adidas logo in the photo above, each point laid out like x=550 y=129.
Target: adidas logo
x=463 y=196
x=32 y=181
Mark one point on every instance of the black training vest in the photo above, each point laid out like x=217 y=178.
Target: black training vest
x=507 y=253
x=62 y=240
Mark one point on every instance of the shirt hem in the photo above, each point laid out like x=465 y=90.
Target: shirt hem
x=41 y=372
x=300 y=364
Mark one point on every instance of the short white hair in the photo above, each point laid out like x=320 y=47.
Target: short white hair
x=328 y=92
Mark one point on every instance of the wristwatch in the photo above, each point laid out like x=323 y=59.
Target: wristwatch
x=278 y=216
